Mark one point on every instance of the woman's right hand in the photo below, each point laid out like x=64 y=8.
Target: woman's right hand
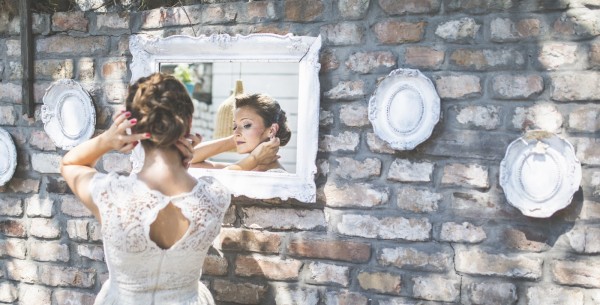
x=266 y=153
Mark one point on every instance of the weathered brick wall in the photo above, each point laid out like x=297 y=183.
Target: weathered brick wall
x=427 y=226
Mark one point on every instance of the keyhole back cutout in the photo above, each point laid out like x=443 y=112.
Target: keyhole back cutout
x=169 y=227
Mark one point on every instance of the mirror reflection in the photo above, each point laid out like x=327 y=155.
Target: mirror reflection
x=213 y=86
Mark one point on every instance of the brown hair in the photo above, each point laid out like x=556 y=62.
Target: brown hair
x=269 y=110
x=162 y=107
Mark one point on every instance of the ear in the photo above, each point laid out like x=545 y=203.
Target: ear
x=273 y=129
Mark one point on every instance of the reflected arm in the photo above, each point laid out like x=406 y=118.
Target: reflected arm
x=212 y=148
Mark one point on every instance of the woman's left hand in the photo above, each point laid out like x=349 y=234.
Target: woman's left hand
x=186 y=145
x=118 y=137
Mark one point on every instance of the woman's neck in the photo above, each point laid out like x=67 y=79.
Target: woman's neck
x=161 y=165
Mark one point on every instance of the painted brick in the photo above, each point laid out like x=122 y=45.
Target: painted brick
x=282 y=219
x=458 y=30
x=93 y=252
x=367 y=62
x=354 y=195
x=468 y=175
x=44 y=227
x=39 y=207
x=578 y=86
x=427 y=257
x=71 y=206
x=243 y=293
x=458 y=86
x=543 y=116
x=553 y=295
x=61 y=44
x=346 y=90
x=291 y=294
x=354 y=114
x=48 y=251
x=46 y=163
x=64 y=296
x=13 y=247
x=11 y=206
x=517 y=86
x=477 y=262
x=487 y=117
x=349 y=168
x=413 y=229
x=488 y=292
x=462 y=233
x=345 y=298
x=418 y=200
x=436 y=288
x=392 y=7
x=327 y=274
x=578 y=273
x=343 y=141
x=407 y=171
x=353 y=9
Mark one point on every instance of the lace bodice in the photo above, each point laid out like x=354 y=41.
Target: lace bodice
x=140 y=272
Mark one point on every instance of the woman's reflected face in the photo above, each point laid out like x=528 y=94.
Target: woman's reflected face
x=248 y=129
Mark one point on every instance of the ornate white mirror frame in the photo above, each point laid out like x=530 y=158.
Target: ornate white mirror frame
x=149 y=52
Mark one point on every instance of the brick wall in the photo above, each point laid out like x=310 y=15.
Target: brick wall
x=427 y=226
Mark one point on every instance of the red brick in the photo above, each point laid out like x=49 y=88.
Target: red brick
x=303 y=10
x=249 y=240
x=65 y=21
x=272 y=268
x=396 y=32
x=14 y=228
x=424 y=57
x=243 y=293
x=395 y=7
x=215 y=265
x=330 y=249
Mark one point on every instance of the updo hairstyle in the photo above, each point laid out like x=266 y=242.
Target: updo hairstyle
x=269 y=110
x=162 y=107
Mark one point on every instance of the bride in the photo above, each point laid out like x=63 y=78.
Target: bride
x=157 y=224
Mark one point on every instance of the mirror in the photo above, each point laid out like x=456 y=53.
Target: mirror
x=216 y=67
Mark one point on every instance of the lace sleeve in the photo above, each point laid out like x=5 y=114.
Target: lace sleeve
x=100 y=188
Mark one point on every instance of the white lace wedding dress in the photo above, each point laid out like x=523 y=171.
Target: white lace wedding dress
x=140 y=272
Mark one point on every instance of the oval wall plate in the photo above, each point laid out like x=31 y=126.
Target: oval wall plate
x=8 y=164
x=540 y=173
x=68 y=113
x=404 y=109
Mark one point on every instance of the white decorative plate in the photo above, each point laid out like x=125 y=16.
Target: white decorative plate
x=8 y=161
x=540 y=173
x=68 y=113
x=404 y=109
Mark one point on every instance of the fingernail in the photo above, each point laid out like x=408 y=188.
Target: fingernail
x=135 y=143
x=133 y=121
x=148 y=135
x=127 y=114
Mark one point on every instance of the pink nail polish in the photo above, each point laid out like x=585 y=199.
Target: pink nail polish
x=133 y=121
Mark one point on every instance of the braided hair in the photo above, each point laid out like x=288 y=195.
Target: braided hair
x=162 y=107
